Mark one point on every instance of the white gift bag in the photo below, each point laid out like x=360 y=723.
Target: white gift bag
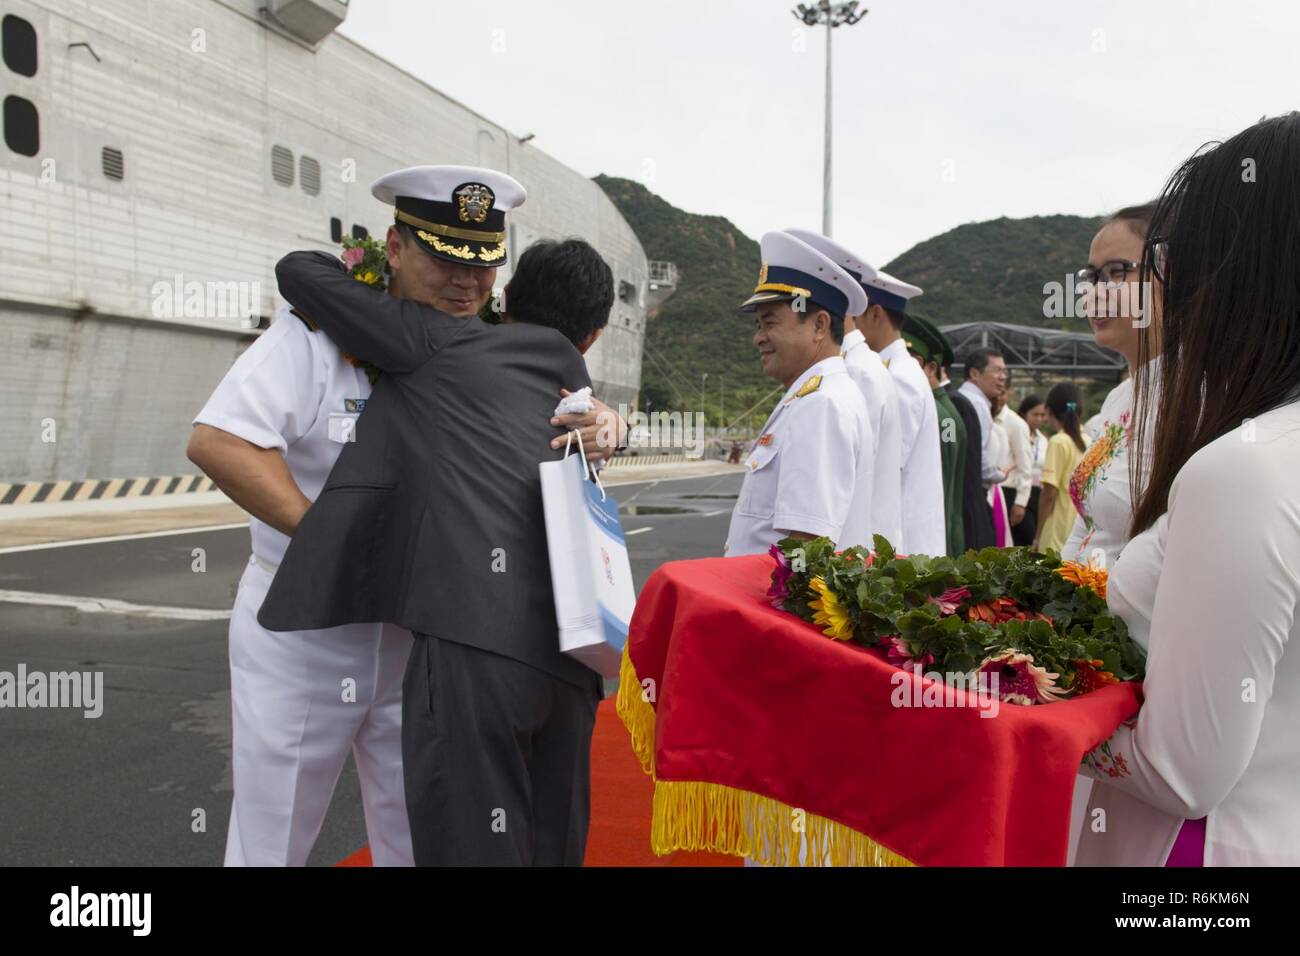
x=590 y=573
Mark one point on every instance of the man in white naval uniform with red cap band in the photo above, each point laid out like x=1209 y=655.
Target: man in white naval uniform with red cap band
x=809 y=472
x=924 y=531
x=868 y=372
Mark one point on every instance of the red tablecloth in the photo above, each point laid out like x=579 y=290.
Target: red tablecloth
x=755 y=724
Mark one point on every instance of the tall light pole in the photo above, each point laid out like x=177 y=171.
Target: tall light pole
x=703 y=379
x=830 y=15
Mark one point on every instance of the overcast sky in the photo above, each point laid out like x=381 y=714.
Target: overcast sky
x=946 y=111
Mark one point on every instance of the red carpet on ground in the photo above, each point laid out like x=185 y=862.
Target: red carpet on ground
x=621 y=796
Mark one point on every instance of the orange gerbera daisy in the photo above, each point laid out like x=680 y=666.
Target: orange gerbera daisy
x=1084 y=576
x=1090 y=676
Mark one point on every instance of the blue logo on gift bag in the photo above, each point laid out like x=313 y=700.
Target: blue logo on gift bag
x=603 y=513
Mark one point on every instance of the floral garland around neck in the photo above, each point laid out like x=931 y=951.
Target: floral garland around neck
x=366 y=261
x=1114 y=438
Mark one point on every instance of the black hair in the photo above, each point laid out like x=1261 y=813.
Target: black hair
x=1029 y=402
x=1230 y=332
x=1066 y=406
x=563 y=285
x=896 y=318
x=1137 y=218
x=812 y=308
x=979 y=360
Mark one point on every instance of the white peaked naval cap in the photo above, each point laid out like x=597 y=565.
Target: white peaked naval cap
x=458 y=213
x=881 y=288
x=792 y=269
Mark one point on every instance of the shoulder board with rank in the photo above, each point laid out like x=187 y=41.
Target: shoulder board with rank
x=809 y=386
x=311 y=326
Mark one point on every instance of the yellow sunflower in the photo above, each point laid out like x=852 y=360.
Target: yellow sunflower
x=828 y=613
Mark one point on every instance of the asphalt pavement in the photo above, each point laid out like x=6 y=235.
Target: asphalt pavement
x=148 y=782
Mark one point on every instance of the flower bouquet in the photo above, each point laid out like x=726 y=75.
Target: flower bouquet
x=1037 y=624
x=366 y=261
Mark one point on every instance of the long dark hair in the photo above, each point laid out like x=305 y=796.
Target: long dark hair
x=1230 y=342
x=1066 y=406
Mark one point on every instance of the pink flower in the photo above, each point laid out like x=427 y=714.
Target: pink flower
x=353 y=257
x=1020 y=680
x=781 y=574
x=950 y=600
x=899 y=654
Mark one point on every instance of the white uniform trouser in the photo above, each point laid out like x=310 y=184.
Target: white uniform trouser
x=294 y=723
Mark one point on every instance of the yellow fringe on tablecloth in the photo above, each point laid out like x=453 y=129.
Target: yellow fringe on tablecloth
x=637 y=714
x=693 y=815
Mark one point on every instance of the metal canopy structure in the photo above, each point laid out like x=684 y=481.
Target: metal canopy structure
x=1037 y=350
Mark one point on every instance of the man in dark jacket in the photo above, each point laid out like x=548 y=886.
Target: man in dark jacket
x=432 y=519
x=977 y=518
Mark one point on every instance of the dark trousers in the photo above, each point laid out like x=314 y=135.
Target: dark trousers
x=1024 y=532
x=497 y=759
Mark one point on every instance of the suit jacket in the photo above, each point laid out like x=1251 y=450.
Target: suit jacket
x=432 y=516
x=976 y=516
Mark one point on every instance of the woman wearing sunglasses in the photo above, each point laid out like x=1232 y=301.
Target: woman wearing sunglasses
x=1208 y=771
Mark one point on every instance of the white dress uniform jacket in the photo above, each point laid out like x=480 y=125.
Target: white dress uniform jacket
x=877 y=386
x=922 y=468
x=302 y=701
x=810 y=468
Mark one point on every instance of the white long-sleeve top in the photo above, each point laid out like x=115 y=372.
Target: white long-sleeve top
x=1020 y=452
x=1212 y=590
x=984 y=411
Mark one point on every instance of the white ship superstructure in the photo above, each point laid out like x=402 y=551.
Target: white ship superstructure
x=159 y=157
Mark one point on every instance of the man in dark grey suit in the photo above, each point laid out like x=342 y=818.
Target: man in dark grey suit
x=432 y=519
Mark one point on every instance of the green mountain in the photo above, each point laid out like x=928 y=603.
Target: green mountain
x=995 y=271
x=698 y=330
x=987 y=271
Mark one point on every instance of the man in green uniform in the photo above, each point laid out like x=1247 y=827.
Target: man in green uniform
x=931 y=350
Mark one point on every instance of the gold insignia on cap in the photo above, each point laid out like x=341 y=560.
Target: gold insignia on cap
x=809 y=386
x=762 y=273
x=493 y=253
x=473 y=202
x=460 y=252
x=451 y=232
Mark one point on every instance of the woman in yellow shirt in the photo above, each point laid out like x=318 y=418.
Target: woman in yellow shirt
x=1065 y=450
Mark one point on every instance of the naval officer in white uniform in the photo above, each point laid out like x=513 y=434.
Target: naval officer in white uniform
x=868 y=372
x=301 y=701
x=809 y=472
x=924 y=531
